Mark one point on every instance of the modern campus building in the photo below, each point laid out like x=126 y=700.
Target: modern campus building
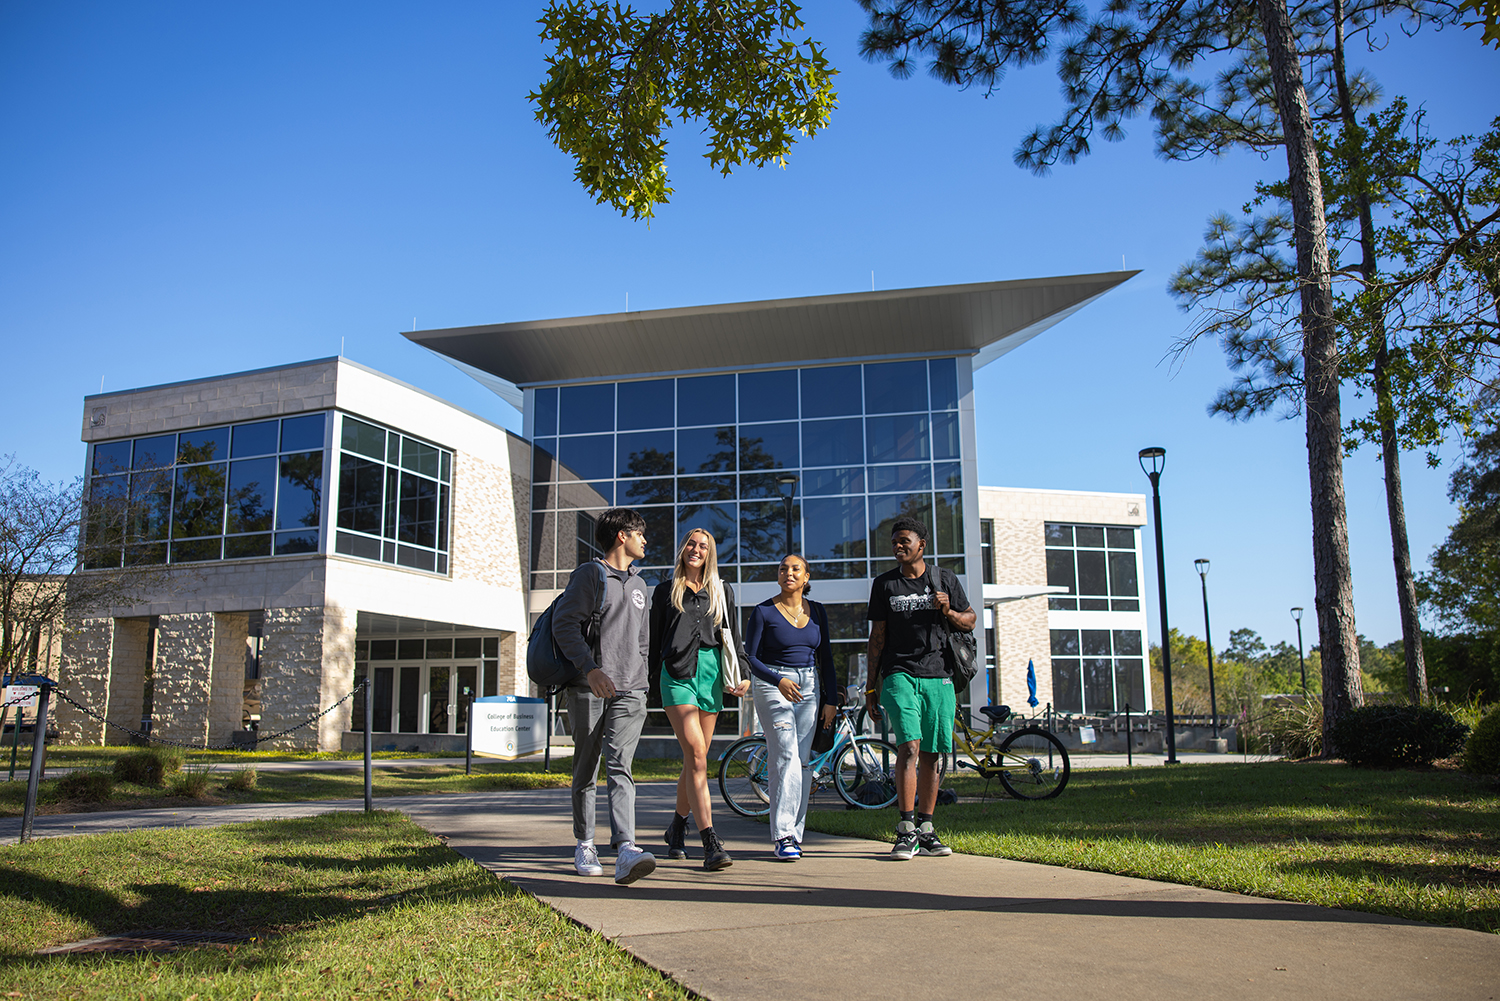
x=331 y=522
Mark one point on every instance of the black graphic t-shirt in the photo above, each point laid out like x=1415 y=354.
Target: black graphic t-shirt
x=913 y=634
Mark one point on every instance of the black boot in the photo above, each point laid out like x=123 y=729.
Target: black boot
x=676 y=837
x=714 y=855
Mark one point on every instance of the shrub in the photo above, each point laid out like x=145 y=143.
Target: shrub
x=241 y=779
x=87 y=785
x=1397 y=736
x=1294 y=727
x=149 y=766
x=1482 y=753
x=191 y=782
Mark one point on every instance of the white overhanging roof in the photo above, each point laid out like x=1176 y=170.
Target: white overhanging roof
x=984 y=320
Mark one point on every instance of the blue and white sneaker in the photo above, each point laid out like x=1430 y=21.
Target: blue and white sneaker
x=787 y=849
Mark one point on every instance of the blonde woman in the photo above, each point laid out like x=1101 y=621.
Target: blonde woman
x=695 y=647
x=796 y=691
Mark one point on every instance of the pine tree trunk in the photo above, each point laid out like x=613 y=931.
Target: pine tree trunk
x=1333 y=586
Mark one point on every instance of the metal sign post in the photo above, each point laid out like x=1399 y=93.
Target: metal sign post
x=38 y=751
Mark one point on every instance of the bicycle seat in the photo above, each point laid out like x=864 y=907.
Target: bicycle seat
x=996 y=714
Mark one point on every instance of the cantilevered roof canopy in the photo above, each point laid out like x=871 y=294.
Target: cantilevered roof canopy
x=985 y=320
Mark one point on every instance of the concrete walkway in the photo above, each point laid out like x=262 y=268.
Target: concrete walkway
x=847 y=923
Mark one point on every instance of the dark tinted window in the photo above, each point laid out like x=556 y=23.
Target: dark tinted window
x=111 y=457
x=366 y=439
x=299 y=433
x=768 y=446
x=1058 y=535
x=706 y=450
x=948 y=523
x=705 y=488
x=902 y=479
x=585 y=409
x=945 y=443
x=154 y=453
x=1121 y=538
x=943 y=380
x=587 y=457
x=645 y=404
x=1060 y=570
x=895 y=387
x=198 y=507
x=886 y=508
x=948 y=476
x=900 y=438
x=661 y=536
x=644 y=453
x=1091 y=574
x=544 y=460
x=768 y=396
x=833 y=443
x=254 y=439
x=300 y=492
x=834 y=527
x=705 y=399
x=545 y=404
x=203 y=446
x=1122 y=581
x=1090 y=537
x=831 y=392
x=763 y=531
x=839 y=480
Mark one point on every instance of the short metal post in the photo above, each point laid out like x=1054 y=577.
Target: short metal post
x=468 y=732
x=547 y=747
x=1129 y=752
x=369 y=741
x=38 y=750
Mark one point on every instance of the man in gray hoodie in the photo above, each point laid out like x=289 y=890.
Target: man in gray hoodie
x=607 y=705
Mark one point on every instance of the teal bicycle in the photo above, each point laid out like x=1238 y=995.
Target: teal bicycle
x=860 y=768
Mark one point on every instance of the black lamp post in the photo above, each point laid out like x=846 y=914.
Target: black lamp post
x=1301 y=662
x=1153 y=460
x=787 y=484
x=1201 y=565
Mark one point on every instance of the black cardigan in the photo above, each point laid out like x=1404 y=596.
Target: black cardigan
x=676 y=636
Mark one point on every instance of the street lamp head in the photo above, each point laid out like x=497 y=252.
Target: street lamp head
x=786 y=485
x=1201 y=565
x=1153 y=460
x=1297 y=614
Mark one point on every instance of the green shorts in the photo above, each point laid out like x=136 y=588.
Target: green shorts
x=705 y=689
x=919 y=709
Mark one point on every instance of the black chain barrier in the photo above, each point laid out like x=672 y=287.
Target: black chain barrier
x=231 y=746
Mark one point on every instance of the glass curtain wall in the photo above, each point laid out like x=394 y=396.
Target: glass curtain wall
x=1095 y=670
x=395 y=492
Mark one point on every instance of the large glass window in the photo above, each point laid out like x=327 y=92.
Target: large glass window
x=1097 y=671
x=865 y=443
x=394 y=497
x=229 y=492
x=1097 y=564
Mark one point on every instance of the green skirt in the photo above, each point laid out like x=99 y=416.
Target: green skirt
x=705 y=689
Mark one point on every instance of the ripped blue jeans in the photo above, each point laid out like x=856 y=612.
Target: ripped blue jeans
x=789 y=732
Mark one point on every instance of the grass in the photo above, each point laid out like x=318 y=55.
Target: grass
x=220 y=785
x=341 y=906
x=1416 y=844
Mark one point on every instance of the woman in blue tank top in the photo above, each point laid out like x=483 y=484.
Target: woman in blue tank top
x=795 y=690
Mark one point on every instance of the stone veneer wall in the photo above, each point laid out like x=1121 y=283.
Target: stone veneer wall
x=226 y=697
x=183 y=670
x=485 y=547
x=127 y=676
x=513 y=679
x=306 y=665
x=339 y=627
x=84 y=674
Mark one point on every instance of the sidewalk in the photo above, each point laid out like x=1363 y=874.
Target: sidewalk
x=846 y=923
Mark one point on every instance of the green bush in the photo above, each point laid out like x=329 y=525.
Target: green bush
x=87 y=785
x=1294 y=727
x=191 y=782
x=242 y=779
x=149 y=766
x=1399 y=736
x=1482 y=753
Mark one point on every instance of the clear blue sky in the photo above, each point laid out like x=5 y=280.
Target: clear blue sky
x=192 y=189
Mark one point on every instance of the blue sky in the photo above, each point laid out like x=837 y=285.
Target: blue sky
x=196 y=189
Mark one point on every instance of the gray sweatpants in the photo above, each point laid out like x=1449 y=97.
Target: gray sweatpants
x=611 y=727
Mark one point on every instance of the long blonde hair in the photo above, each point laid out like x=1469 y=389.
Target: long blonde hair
x=710 y=576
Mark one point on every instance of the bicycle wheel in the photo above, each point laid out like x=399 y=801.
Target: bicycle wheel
x=1033 y=764
x=865 y=773
x=744 y=774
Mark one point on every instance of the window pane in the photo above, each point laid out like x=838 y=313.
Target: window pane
x=758 y=573
x=417 y=521
x=1120 y=538
x=586 y=409
x=150 y=511
x=406 y=712
x=948 y=516
x=763 y=531
x=764 y=485
x=245 y=546
x=543 y=460
x=644 y=404
x=293 y=543
x=467 y=647
x=545 y=415
x=896 y=387
x=835 y=528
x=1130 y=684
x=299 y=433
x=1065 y=643
x=1067 y=694
x=943 y=378
x=112 y=457
x=897 y=439
x=838 y=569
x=154 y=453
x=254 y=439
x=416 y=559
x=706 y=450
x=945 y=444
x=198 y=508
x=346 y=544
x=419 y=457
x=833 y=443
x=948 y=476
x=645 y=453
x=1090 y=537
x=1096 y=643
x=203 y=446
x=1122 y=579
x=768 y=446
x=361 y=487
x=1060 y=570
x=543 y=541
x=1058 y=535
x=886 y=508
x=719 y=520
x=831 y=392
x=768 y=396
x=1127 y=642
x=197 y=550
x=705 y=488
x=633 y=492
x=299 y=496
x=366 y=439
x=705 y=399
x=661 y=536
x=574 y=494
x=840 y=480
x=902 y=479
x=1091 y=574
x=1098 y=685
x=590 y=457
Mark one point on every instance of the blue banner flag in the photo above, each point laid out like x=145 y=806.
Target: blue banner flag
x=1031 y=699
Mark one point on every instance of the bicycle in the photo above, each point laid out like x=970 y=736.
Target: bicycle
x=1030 y=762
x=860 y=769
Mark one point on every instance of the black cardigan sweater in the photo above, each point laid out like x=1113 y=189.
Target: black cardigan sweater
x=676 y=636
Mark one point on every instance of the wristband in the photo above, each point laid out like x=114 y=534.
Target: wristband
x=872 y=691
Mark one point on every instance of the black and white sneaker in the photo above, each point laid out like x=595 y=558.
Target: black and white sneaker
x=906 y=841
x=929 y=844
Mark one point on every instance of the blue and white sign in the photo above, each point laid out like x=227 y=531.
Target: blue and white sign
x=509 y=726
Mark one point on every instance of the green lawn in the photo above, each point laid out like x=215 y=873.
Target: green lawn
x=287 y=787
x=341 y=906
x=1418 y=844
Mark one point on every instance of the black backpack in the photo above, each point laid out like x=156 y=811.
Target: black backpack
x=546 y=665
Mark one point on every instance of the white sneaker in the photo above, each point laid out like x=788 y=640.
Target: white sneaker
x=586 y=861
x=631 y=864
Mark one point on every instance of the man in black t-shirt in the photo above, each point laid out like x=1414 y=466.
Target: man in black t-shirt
x=909 y=680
